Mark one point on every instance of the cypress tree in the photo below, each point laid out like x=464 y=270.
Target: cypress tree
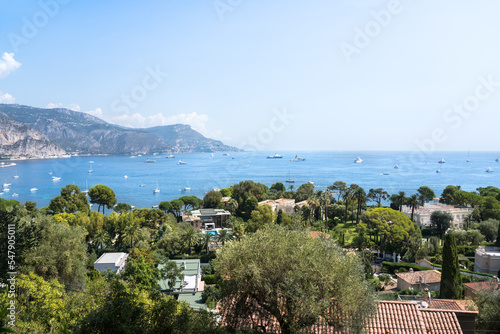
x=497 y=243
x=279 y=219
x=451 y=282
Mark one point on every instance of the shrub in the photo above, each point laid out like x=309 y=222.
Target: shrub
x=209 y=279
x=391 y=267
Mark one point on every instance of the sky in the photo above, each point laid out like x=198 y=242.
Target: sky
x=266 y=75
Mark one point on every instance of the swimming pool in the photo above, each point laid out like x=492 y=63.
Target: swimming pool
x=211 y=232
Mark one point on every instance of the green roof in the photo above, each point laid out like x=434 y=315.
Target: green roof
x=194 y=300
x=191 y=268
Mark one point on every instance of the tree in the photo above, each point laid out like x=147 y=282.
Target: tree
x=441 y=221
x=396 y=228
x=297 y=282
x=248 y=188
x=413 y=203
x=402 y=199
x=304 y=192
x=497 y=243
x=102 y=195
x=278 y=187
x=489 y=229
x=488 y=304
x=192 y=237
x=451 y=281
x=260 y=217
x=447 y=196
x=232 y=205
x=71 y=200
x=224 y=236
x=339 y=188
x=122 y=207
x=325 y=198
x=212 y=199
x=191 y=202
x=361 y=198
x=176 y=208
x=425 y=194
x=377 y=195
x=170 y=272
x=165 y=206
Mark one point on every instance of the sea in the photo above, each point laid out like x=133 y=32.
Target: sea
x=134 y=180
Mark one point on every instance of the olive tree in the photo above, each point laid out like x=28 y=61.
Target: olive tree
x=291 y=280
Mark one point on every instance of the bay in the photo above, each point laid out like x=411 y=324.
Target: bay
x=204 y=172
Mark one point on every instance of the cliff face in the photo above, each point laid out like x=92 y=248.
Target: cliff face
x=80 y=132
x=20 y=140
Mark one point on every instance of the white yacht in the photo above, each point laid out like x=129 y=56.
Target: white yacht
x=297 y=158
x=225 y=154
x=441 y=161
x=56 y=178
x=211 y=155
x=15 y=195
x=274 y=156
x=16 y=176
x=396 y=167
x=310 y=182
x=182 y=162
x=489 y=170
x=187 y=188
x=358 y=160
x=386 y=173
x=438 y=171
x=6 y=185
x=125 y=177
x=157 y=189
x=170 y=156
x=142 y=185
x=90 y=170
x=33 y=190
x=150 y=161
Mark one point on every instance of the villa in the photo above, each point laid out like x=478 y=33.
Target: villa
x=207 y=219
x=112 y=261
x=419 y=280
x=422 y=215
x=284 y=204
x=487 y=260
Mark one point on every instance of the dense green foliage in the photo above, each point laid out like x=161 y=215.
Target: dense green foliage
x=451 y=283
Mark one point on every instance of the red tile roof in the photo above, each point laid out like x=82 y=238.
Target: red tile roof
x=476 y=286
x=424 y=276
x=437 y=321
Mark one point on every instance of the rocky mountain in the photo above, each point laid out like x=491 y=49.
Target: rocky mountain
x=20 y=140
x=83 y=133
x=182 y=138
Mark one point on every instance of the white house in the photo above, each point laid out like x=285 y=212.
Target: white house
x=422 y=215
x=113 y=261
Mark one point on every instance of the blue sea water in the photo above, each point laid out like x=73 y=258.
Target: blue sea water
x=203 y=172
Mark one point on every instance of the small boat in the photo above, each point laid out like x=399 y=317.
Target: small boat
x=274 y=156
x=142 y=185
x=225 y=154
x=497 y=159
x=133 y=157
x=289 y=180
x=50 y=173
x=149 y=161
x=182 y=162
x=187 y=188
x=489 y=170
x=16 y=176
x=5 y=190
x=91 y=162
x=468 y=156
x=6 y=185
x=310 y=182
x=170 y=156
x=155 y=206
x=1 y=192
x=211 y=155
x=33 y=190
x=297 y=158
x=358 y=160
x=215 y=189
x=157 y=189
x=441 y=161
x=125 y=177
x=386 y=173
x=86 y=187
x=15 y=195
x=396 y=167
x=55 y=178
x=438 y=171
x=90 y=170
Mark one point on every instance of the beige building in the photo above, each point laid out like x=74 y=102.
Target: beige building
x=422 y=215
x=207 y=219
x=487 y=260
x=285 y=204
x=419 y=280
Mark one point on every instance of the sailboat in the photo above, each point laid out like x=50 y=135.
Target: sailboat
x=90 y=169
x=289 y=180
x=188 y=187
x=157 y=190
x=86 y=187
x=468 y=154
x=16 y=176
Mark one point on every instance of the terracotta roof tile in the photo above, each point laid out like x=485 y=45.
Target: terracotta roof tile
x=476 y=286
x=427 y=276
x=440 y=321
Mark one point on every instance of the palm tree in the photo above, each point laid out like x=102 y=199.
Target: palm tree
x=102 y=239
x=325 y=200
x=402 y=199
x=360 y=195
x=313 y=202
x=207 y=238
x=291 y=188
x=414 y=203
x=130 y=233
x=224 y=236
x=192 y=237
x=347 y=196
x=232 y=205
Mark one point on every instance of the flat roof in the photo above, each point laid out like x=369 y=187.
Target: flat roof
x=191 y=269
x=110 y=257
x=194 y=300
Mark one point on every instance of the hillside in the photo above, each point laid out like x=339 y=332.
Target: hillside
x=79 y=132
x=20 y=140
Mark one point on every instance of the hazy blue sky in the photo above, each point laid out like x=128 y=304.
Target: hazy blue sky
x=271 y=75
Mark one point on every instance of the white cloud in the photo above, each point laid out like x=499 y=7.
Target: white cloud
x=8 y=64
x=71 y=106
x=6 y=98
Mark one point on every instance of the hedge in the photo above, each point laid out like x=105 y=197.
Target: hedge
x=209 y=279
x=467 y=250
x=390 y=267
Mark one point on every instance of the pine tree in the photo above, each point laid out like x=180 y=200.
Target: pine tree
x=279 y=219
x=451 y=282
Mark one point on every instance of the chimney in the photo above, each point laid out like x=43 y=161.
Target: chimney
x=426 y=296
